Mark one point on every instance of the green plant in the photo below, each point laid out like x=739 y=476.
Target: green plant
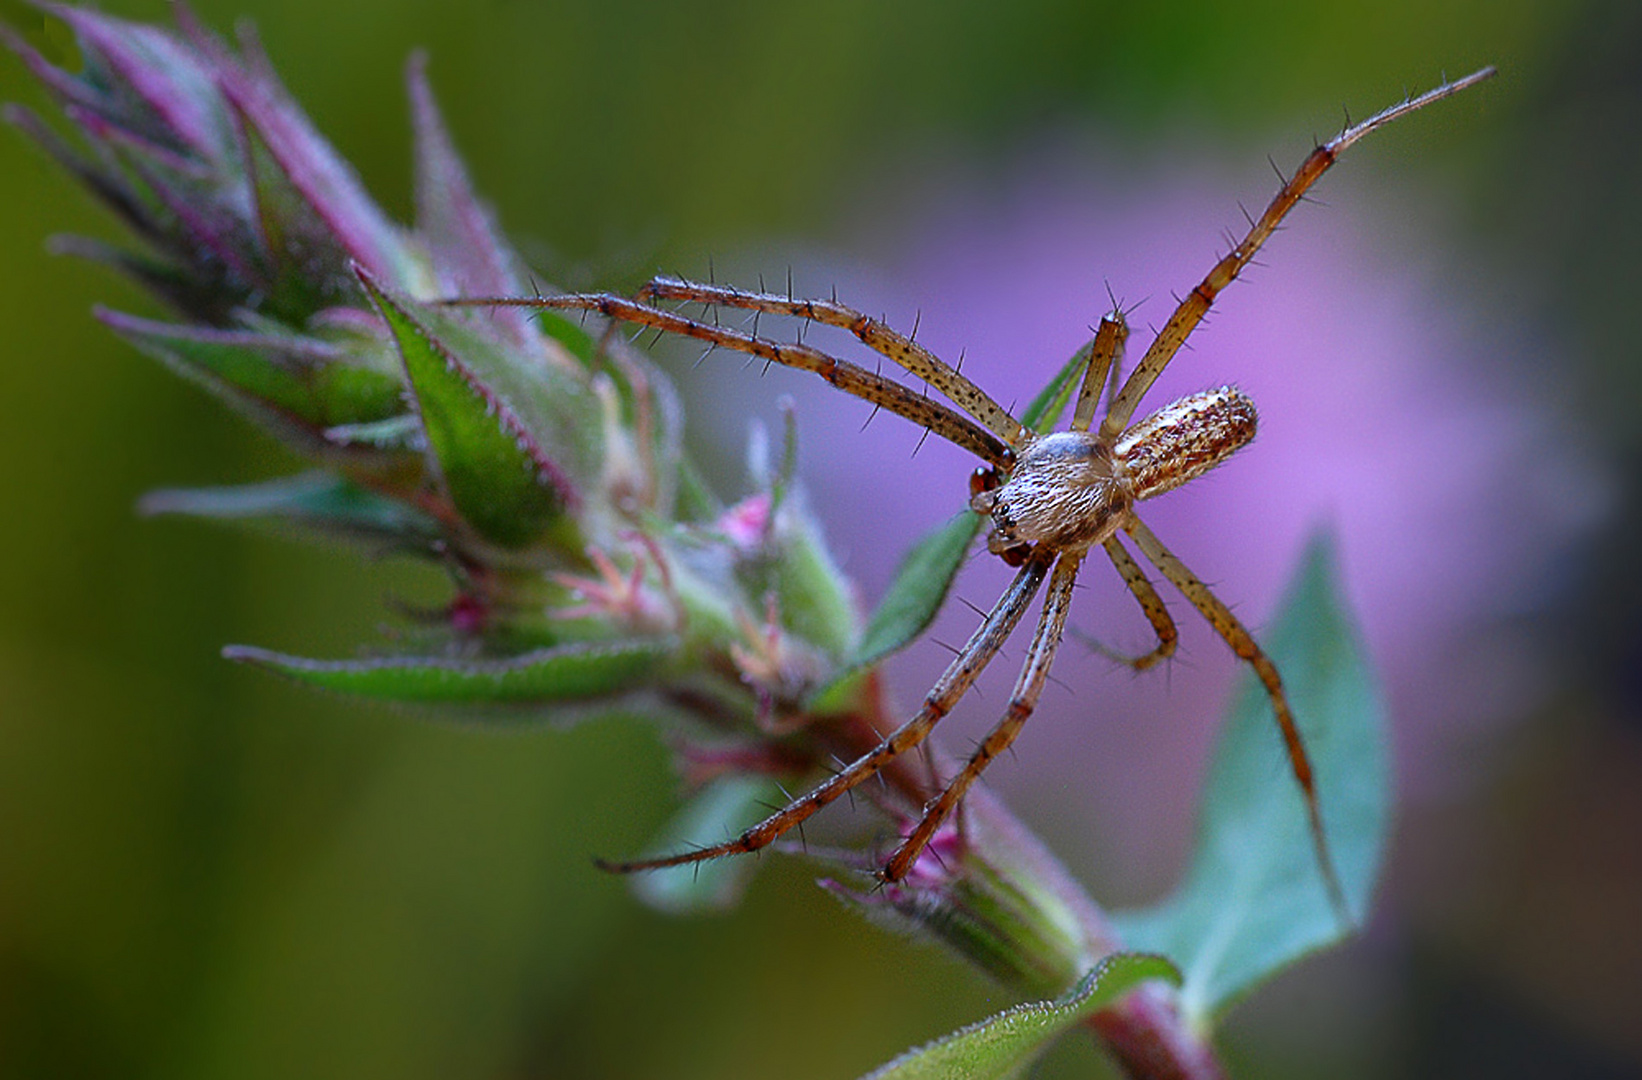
x=593 y=570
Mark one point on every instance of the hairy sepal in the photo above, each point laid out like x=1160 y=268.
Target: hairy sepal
x=495 y=468
x=554 y=677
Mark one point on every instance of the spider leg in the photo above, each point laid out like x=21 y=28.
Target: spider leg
x=1028 y=686
x=1243 y=644
x=874 y=333
x=1151 y=603
x=1114 y=382
x=1104 y=355
x=850 y=378
x=959 y=676
x=1191 y=310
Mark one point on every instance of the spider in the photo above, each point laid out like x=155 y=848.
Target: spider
x=1052 y=498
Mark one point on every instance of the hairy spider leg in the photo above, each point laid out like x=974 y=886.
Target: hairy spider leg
x=1237 y=636
x=850 y=378
x=1028 y=687
x=1150 y=603
x=1191 y=310
x=959 y=676
x=1105 y=354
x=874 y=333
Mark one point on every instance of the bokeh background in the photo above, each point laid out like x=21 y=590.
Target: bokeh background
x=205 y=873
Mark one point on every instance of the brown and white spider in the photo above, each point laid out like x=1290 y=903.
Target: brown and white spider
x=1052 y=498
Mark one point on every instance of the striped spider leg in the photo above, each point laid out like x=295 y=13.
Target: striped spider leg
x=1051 y=498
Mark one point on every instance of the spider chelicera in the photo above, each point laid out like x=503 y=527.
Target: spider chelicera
x=1052 y=498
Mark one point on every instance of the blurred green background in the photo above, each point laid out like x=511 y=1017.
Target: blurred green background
x=204 y=873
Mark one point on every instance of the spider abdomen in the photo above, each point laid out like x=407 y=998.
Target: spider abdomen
x=1184 y=440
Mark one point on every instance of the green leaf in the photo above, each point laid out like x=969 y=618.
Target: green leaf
x=499 y=477
x=1045 y=409
x=721 y=808
x=815 y=601
x=1253 y=899
x=813 y=598
x=1005 y=1046
x=317 y=500
x=919 y=586
x=561 y=675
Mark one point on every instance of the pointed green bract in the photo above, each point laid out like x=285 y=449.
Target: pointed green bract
x=1005 y=1046
x=500 y=480
x=808 y=586
x=791 y=563
x=469 y=255
x=305 y=264
x=319 y=501
x=326 y=188
x=562 y=675
x=1253 y=899
x=282 y=378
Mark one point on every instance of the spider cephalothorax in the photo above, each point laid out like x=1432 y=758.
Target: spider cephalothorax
x=1065 y=490
x=1051 y=497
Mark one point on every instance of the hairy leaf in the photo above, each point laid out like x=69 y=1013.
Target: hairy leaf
x=564 y=674
x=305 y=264
x=469 y=255
x=1005 y=1046
x=327 y=186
